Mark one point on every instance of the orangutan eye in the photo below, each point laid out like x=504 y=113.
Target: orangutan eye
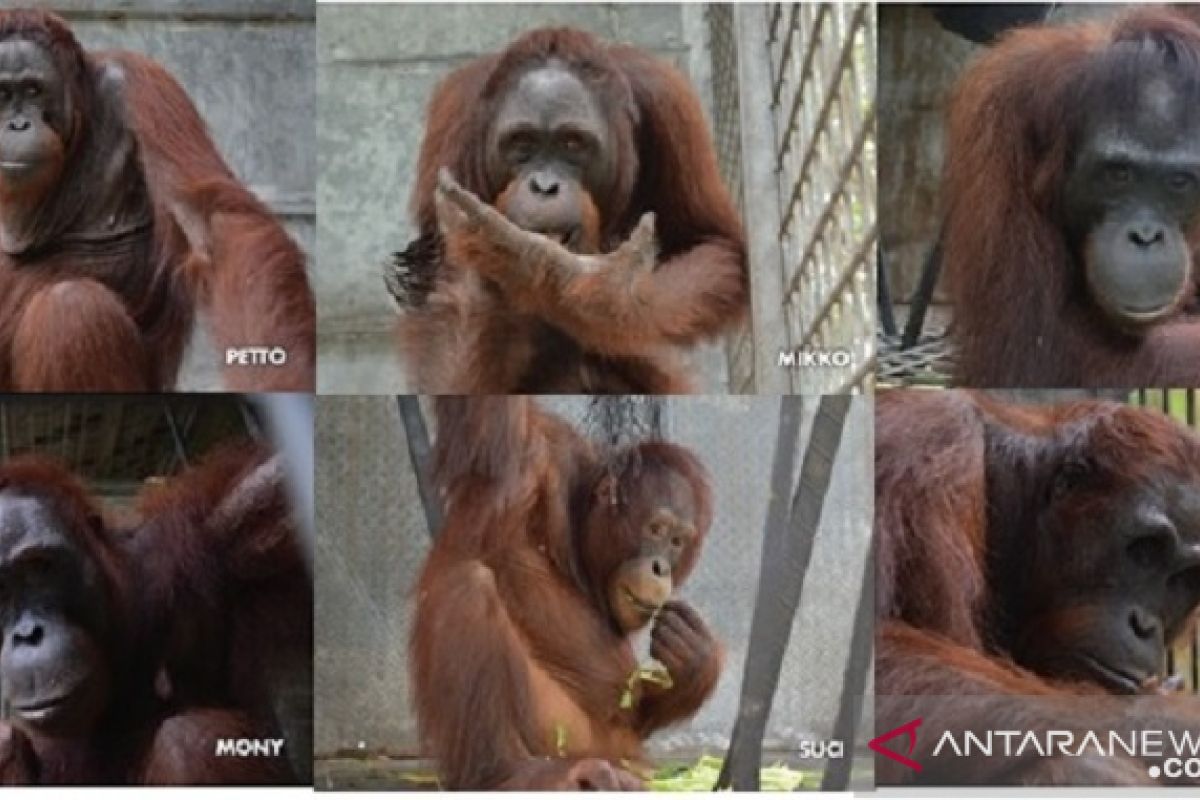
x=37 y=567
x=575 y=144
x=1118 y=172
x=1072 y=475
x=1182 y=181
x=1146 y=551
x=520 y=146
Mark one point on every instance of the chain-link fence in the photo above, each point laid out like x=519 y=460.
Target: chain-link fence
x=794 y=118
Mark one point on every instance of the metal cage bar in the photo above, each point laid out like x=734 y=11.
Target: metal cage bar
x=801 y=110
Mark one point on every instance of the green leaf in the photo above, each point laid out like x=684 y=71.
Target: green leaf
x=702 y=777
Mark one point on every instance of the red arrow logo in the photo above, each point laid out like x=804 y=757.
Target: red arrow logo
x=908 y=729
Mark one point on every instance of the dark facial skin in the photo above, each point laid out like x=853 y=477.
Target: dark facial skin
x=1117 y=577
x=667 y=540
x=34 y=119
x=53 y=673
x=548 y=146
x=1131 y=198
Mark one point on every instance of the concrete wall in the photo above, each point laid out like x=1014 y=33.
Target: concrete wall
x=378 y=67
x=372 y=541
x=918 y=62
x=250 y=67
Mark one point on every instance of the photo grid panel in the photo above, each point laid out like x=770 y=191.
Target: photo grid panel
x=604 y=592
x=629 y=396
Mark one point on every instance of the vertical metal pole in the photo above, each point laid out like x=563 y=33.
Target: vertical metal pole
x=761 y=207
x=416 y=435
x=854 y=683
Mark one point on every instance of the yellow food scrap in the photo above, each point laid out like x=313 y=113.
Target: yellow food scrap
x=560 y=739
x=419 y=778
x=656 y=674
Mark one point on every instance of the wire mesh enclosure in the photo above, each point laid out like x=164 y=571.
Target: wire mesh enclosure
x=794 y=119
x=117 y=442
x=928 y=362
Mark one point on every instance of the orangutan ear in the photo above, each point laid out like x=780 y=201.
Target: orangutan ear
x=605 y=493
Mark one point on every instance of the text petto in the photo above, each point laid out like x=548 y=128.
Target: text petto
x=255 y=357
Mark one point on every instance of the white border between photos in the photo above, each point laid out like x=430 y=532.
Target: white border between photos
x=677 y=2
x=255 y=793
x=583 y=2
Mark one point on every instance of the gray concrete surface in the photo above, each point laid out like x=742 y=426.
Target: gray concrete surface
x=372 y=541
x=250 y=68
x=378 y=67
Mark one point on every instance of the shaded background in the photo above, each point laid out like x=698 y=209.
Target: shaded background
x=116 y=444
x=789 y=89
x=250 y=68
x=373 y=539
